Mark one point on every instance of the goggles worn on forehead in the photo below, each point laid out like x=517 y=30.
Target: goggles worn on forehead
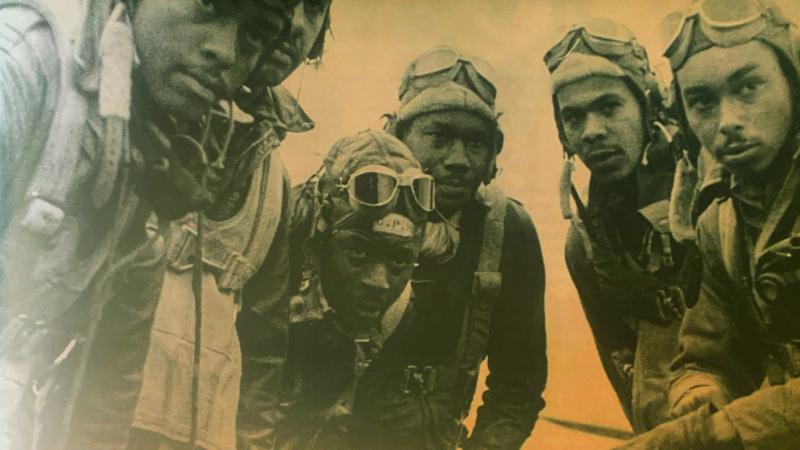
x=376 y=186
x=598 y=37
x=723 y=23
x=442 y=64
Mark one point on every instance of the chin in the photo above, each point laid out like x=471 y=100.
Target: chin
x=611 y=177
x=453 y=205
x=182 y=109
x=274 y=77
x=365 y=321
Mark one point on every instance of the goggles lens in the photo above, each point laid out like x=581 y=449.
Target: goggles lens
x=443 y=64
x=373 y=189
x=725 y=23
x=424 y=191
x=730 y=13
x=443 y=58
x=600 y=37
x=376 y=186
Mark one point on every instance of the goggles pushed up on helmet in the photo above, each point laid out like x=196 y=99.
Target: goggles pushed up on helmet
x=723 y=23
x=598 y=37
x=376 y=186
x=443 y=64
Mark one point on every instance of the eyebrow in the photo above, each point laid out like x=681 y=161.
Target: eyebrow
x=593 y=104
x=734 y=77
x=449 y=128
x=362 y=237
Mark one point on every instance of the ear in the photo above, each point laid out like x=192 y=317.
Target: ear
x=491 y=170
x=390 y=123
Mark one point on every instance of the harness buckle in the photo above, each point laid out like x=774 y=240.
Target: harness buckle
x=419 y=379
x=670 y=303
x=783 y=361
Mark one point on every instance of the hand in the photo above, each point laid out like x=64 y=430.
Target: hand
x=690 y=432
x=173 y=177
x=42 y=218
x=698 y=396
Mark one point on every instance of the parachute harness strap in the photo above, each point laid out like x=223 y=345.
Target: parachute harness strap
x=566 y=189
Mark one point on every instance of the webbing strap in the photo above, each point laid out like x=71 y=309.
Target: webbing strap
x=488 y=278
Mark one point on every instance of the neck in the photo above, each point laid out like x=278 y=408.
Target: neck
x=769 y=183
x=776 y=176
x=621 y=191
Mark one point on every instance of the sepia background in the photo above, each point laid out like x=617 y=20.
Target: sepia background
x=371 y=44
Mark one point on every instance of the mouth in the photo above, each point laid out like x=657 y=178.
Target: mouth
x=451 y=187
x=738 y=149
x=369 y=308
x=601 y=157
x=201 y=87
x=451 y=192
x=283 y=57
x=737 y=153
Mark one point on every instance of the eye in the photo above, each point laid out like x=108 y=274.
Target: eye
x=439 y=139
x=399 y=263
x=571 y=119
x=608 y=109
x=478 y=144
x=701 y=104
x=315 y=7
x=749 y=87
x=355 y=256
x=253 y=38
x=209 y=6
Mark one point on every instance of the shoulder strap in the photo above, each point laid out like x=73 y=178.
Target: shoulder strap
x=728 y=225
x=488 y=279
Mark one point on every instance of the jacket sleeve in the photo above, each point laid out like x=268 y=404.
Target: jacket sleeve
x=718 y=335
x=517 y=344
x=29 y=70
x=612 y=336
x=28 y=76
x=263 y=326
x=768 y=419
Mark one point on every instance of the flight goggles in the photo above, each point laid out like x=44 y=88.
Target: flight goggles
x=376 y=186
x=442 y=64
x=600 y=37
x=723 y=23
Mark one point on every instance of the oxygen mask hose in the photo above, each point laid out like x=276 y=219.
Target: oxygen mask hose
x=197 y=290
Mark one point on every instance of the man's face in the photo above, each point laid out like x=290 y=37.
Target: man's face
x=456 y=148
x=602 y=121
x=738 y=104
x=195 y=52
x=307 y=22
x=363 y=273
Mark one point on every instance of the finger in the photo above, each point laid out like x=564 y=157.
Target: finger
x=154 y=136
x=690 y=404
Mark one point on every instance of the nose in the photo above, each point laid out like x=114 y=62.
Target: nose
x=456 y=159
x=221 y=42
x=730 y=117
x=594 y=128
x=376 y=277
